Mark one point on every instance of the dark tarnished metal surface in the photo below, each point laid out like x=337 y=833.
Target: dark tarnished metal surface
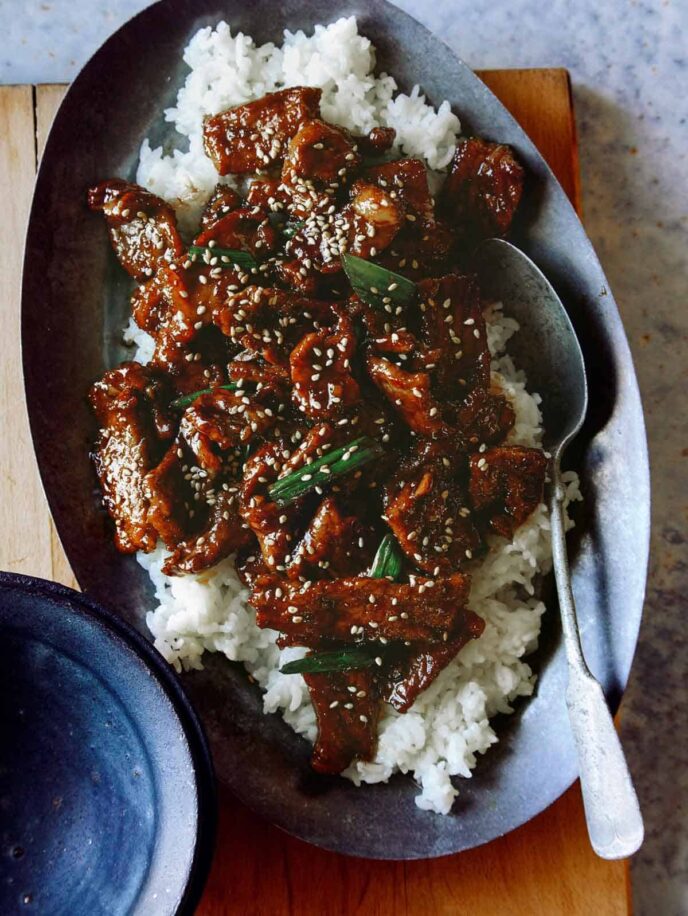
x=73 y=308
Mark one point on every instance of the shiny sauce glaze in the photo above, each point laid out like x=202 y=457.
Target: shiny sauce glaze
x=319 y=402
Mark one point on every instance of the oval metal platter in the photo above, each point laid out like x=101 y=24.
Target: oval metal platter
x=75 y=303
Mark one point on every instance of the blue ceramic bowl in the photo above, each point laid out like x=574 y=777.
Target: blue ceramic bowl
x=107 y=797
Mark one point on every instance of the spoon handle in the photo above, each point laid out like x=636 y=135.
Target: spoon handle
x=612 y=812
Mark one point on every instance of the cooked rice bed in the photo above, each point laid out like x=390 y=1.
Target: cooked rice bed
x=448 y=724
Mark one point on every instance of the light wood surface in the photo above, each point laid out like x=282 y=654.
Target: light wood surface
x=547 y=866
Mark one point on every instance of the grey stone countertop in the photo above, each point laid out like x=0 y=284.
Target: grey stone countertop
x=628 y=61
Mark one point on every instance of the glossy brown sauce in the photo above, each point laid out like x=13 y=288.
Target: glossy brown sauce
x=315 y=365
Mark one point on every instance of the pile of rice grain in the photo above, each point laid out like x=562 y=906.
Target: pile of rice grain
x=449 y=723
x=228 y=70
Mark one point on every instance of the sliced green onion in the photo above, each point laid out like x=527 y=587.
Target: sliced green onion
x=320 y=472
x=388 y=560
x=187 y=399
x=376 y=285
x=226 y=257
x=342 y=660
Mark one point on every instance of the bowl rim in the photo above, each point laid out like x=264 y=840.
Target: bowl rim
x=77 y=603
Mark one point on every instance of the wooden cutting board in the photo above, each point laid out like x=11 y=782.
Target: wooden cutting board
x=545 y=867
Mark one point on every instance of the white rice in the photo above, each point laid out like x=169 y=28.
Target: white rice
x=229 y=70
x=449 y=723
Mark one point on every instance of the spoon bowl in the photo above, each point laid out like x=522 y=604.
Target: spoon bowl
x=546 y=346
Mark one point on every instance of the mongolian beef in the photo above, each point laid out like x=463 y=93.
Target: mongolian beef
x=319 y=401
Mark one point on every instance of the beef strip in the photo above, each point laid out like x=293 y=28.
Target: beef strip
x=146 y=380
x=484 y=418
x=222 y=535
x=270 y=321
x=312 y=254
x=143 y=228
x=172 y=497
x=483 y=189
x=319 y=152
x=266 y=193
x=196 y=365
x=379 y=141
x=406 y=181
x=386 y=332
x=341 y=609
x=318 y=159
x=417 y=254
x=413 y=671
x=453 y=332
x=423 y=244
x=130 y=405
x=278 y=529
x=385 y=339
x=165 y=306
x=318 y=163
x=249 y=564
x=219 y=424
x=333 y=545
x=251 y=137
x=409 y=393
x=194 y=511
x=374 y=218
x=293 y=273
x=175 y=308
x=429 y=515
x=347 y=708
x=272 y=526
x=323 y=385
x=243 y=229
x=506 y=486
x=249 y=370
x=221 y=202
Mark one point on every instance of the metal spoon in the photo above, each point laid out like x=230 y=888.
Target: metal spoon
x=548 y=350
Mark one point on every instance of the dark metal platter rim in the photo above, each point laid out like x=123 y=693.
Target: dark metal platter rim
x=86 y=579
